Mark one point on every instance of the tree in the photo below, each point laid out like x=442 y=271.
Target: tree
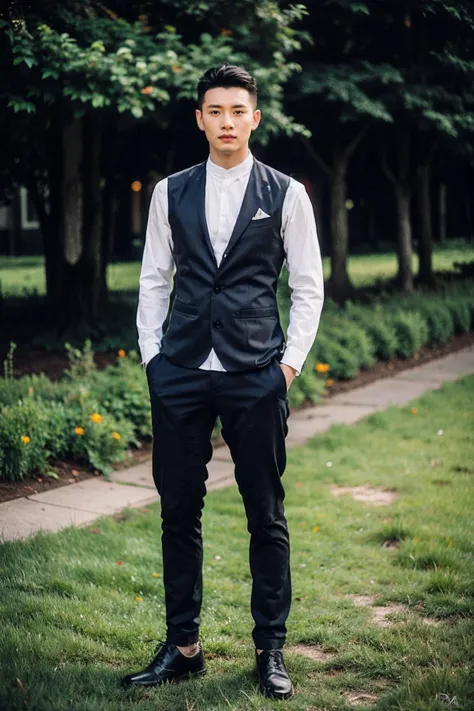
x=71 y=72
x=335 y=96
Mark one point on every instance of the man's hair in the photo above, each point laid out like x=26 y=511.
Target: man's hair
x=224 y=76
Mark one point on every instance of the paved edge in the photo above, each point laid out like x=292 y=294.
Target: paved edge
x=81 y=503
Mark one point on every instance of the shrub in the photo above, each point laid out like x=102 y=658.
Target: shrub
x=412 y=332
x=354 y=338
x=343 y=363
x=380 y=331
x=438 y=318
x=30 y=432
x=461 y=314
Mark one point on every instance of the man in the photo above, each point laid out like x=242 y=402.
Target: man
x=226 y=225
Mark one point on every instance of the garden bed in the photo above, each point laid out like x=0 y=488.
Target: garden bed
x=69 y=472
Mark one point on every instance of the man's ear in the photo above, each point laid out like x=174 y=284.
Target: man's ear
x=257 y=115
x=199 y=119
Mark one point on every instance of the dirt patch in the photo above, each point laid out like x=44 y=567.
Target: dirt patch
x=362 y=600
x=360 y=698
x=391 y=543
x=380 y=614
x=367 y=494
x=312 y=652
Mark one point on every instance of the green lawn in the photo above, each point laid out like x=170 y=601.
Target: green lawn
x=72 y=624
x=20 y=274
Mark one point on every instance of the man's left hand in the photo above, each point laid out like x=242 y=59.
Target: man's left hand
x=289 y=373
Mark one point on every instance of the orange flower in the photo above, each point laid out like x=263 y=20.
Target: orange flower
x=147 y=90
x=322 y=367
x=95 y=417
x=139 y=599
x=156 y=575
x=177 y=69
x=121 y=353
x=329 y=382
x=25 y=439
x=414 y=411
x=116 y=435
x=315 y=529
x=79 y=430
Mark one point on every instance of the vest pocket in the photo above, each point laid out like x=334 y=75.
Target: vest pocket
x=256 y=313
x=186 y=309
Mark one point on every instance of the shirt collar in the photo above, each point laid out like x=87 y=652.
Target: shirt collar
x=238 y=171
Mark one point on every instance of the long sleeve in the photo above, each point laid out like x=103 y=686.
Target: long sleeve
x=155 y=275
x=303 y=259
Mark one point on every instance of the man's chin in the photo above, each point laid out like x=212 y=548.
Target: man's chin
x=227 y=148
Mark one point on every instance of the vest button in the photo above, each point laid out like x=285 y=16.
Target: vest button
x=218 y=324
x=217 y=288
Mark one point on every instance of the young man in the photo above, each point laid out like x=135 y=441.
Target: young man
x=226 y=225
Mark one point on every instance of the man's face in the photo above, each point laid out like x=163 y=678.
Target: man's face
x=228 y=117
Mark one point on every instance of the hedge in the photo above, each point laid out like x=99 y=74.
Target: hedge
x=94 y=417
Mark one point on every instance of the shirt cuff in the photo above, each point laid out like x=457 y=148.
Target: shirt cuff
x=294 y=357
x=148 y=352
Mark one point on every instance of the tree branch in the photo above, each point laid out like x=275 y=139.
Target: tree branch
x=315 y=156
x=355 y=142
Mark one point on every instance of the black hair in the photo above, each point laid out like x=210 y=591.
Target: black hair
x=223 y=76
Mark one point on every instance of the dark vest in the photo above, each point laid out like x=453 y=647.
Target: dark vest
x=231 y=307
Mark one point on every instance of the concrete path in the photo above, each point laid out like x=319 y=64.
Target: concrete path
x=79 y=504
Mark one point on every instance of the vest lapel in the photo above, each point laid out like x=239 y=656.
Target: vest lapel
x=201 y=201
x=250 y=204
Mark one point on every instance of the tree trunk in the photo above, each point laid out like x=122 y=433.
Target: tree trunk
x=425 y=241
x=339 y=285
x=405 y=274
x=73 y=250
x=443 y=233
x=318 y=201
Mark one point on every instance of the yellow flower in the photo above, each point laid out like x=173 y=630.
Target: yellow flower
x=329 y=382
x=25 y=439
x=139 y=599
x=156 y=575
x=121 y=353
x=315 y=529
x=414 y=411
x=115 y=435
x=449 y=541
x=79 y=430
x=322 y=367
x=95 y=417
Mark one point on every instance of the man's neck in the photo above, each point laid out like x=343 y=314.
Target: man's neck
x=228 y=160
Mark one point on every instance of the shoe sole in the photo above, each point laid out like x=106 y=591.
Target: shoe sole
x=176 y=680
x=272 y=695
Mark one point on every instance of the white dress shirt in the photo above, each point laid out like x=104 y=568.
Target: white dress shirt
x=225 y=190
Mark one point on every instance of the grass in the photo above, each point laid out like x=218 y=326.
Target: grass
x=25 y=275
x=72 y=625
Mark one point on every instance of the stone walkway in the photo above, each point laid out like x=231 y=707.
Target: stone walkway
x=79 y=504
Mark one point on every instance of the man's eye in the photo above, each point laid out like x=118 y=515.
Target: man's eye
x=239 y=112
x=214 y=112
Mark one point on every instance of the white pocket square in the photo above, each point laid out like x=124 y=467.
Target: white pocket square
x=260 y=214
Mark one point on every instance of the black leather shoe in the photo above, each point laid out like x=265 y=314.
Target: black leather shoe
x=169 y=665
x=274 y=680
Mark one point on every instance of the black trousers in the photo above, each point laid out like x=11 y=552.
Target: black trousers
x=253 y=408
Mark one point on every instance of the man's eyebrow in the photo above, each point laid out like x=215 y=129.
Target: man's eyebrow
x=235 y=106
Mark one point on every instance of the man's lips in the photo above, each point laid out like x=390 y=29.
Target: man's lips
x=226 y=138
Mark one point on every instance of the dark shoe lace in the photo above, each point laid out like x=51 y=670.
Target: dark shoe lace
x=275 y=661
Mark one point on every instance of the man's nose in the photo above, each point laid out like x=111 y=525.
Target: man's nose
x=227 y=121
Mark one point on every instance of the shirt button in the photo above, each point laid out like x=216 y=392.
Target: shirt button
x=217 y=288
x=218 y=324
